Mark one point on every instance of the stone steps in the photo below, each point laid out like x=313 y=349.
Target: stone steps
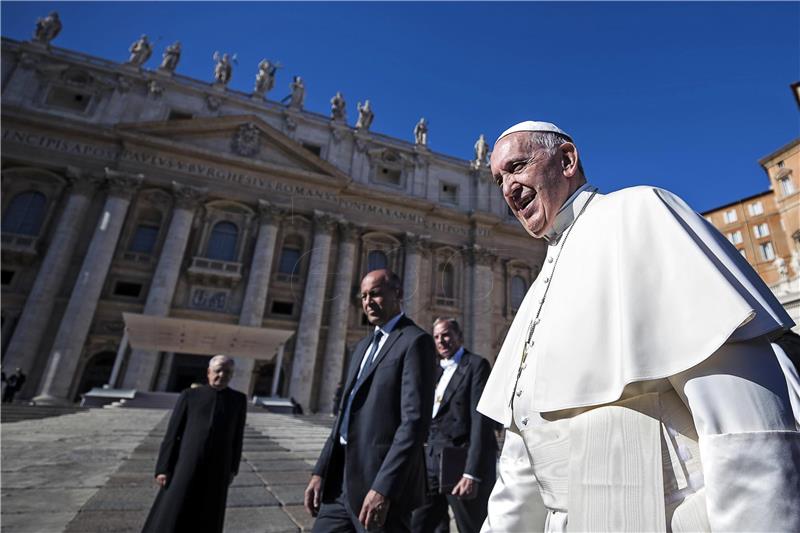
x=16 y=412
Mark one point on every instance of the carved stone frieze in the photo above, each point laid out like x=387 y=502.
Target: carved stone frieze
x=213 y=102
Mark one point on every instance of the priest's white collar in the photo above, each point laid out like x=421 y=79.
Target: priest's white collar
x=453 y=360
x=566 y=215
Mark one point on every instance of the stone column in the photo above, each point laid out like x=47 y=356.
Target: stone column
x=71 y=336
x=333 y=360
x=414 y=249
x=479 y=320
x=23 y=349
x=308 y=330
x=255 y=296
x=143 y=364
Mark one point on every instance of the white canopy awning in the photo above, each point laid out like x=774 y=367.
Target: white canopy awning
x=182 y=335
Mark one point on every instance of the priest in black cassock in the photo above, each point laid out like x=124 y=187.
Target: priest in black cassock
x=199 y=456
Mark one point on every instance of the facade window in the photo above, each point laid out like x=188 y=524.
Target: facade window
x=735 y=237
x=25 y=214
x=786 y=185
x=730 y=216
x=68 y=99
x=755 y=209
x=282 y=308
x=767 y=251
x=222 y=243
x=761 y=230
x=518 y=288
x=144 y=239
x=743 y=253
x=127 y=289
x=448 y=193
x=313 y=148
x=445 y=294
x=289 y=265
x=175 y=114
x=780 y=164
x=376 y=259
x=7 y=277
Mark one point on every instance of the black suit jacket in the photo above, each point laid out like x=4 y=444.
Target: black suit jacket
x=389 y=421
x=458 y=423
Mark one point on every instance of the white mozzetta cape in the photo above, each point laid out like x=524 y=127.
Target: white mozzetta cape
x=644 y=288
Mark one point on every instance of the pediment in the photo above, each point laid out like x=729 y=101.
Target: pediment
x=237 y=136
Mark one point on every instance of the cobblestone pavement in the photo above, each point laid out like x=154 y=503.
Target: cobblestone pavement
x=93 y=472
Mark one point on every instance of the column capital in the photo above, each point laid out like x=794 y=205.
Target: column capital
x=417 y=243
x=348 y=231
x=324 y=222
x=187 y=197
x=480 y=256
x=122 y=184
x=82 y=181
x=270 y=213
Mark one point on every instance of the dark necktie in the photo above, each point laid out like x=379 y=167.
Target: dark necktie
x=361 y=373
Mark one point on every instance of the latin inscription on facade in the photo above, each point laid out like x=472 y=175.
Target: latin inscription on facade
x=208 y=299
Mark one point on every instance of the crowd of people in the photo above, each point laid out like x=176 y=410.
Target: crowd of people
x=637 y=387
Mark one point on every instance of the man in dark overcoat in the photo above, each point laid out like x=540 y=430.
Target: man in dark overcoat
x=200 y=455
x=371 y=471
x=461 y=376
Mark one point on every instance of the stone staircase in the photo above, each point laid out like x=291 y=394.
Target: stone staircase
x=15 y=412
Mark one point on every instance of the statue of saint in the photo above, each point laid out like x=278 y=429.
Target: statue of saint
x=783 y=270
x=265 y=78
x=421 y=133
x=338 y=107
x=298 y=95
x=224 y=68
x=365 y=116
x=141 y=51
x=171 y=57
x=481 y=151
x=47 y=28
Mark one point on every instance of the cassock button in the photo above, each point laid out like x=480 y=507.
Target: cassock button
x=546 y=280
x=536 y=321
x=541 y=301
x=524 y=420
x=549 y=259
x=519 y=393
x=523 y=366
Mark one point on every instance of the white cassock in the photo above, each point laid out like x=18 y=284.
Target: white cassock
x=649 y=399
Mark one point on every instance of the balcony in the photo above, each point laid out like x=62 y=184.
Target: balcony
x=19 y=249
x=214 y=272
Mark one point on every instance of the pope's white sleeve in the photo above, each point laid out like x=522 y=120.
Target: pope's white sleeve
x=515 y=503
x=749 y=447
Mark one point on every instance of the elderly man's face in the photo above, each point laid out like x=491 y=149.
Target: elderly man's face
x=447 y=340
x=535 y=184
x=219 y=375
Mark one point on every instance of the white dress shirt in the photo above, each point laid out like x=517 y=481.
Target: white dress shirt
x=449 y=365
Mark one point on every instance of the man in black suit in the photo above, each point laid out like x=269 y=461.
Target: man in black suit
x=456 y=424
x=371 y=471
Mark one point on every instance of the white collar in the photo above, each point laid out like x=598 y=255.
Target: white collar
x=452 y=361
x=566 y=215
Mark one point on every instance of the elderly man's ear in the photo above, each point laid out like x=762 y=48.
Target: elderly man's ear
x=569 y=159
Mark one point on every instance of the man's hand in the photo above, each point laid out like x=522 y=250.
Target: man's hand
x=465 y=489
x=374 y=510
x=161 y=480
x=313 y=495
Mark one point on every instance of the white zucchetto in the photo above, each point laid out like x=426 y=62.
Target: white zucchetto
x=534 y=125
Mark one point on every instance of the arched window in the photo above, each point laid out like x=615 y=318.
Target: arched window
x=222 y=243
x=144 y=239
x=518 y=288
x=25 y=214
x=376 y=260
x=289 y=265
x=446 y=291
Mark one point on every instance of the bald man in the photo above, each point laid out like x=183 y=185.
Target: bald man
x=371 y=472
x=200 y=455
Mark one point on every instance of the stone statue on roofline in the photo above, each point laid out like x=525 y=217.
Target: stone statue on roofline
x=298 y=95
x=338 y=107
x=223 y=70
x=140 y=50
x=365 y=116
x=481 y=152
x=265 y=78
x=47 y=28
x=171 y=57
x=421 y=133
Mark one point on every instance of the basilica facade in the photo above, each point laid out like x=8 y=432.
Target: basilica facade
x=130 y=189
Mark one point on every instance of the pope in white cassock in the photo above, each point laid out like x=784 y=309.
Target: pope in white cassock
x=637 y=381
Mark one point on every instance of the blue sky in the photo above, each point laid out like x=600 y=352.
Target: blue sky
x=686 y=96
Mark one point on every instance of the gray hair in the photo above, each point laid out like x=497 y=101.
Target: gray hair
x=549 y=142
x=221 y=360
x=452 y=322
